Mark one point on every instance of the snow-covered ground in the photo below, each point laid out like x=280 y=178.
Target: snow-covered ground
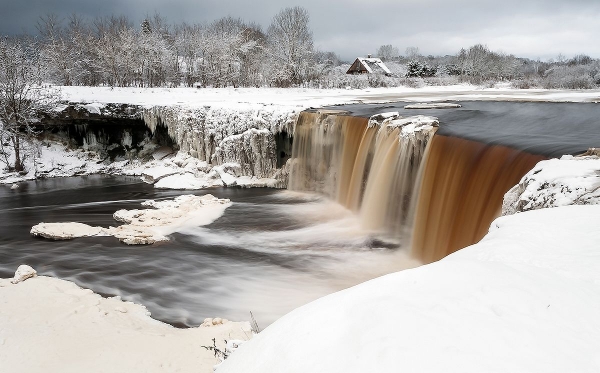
x=51 y=325
x=304 y=97
x=524 y=299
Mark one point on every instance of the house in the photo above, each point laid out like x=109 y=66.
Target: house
x=368 y=65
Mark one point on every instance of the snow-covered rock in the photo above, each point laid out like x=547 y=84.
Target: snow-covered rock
x=146 y=226
x=409 y=125
x=66 y=231
x=208 y=322
x=23 y=273
x=524 y=299
x=556 y=182
x=153 y=174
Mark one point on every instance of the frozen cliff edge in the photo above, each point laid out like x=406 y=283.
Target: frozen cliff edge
x=525 y=298
x=52 y=325
x=234 y=144
x=253 y=137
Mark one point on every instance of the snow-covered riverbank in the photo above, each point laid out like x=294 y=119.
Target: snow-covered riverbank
x=52 y=325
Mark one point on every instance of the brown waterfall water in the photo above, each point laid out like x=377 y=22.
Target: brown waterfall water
x=463 y=183
x=441 y=192
x=369 y=168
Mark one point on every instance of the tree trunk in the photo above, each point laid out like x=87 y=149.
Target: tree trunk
x=18 y=162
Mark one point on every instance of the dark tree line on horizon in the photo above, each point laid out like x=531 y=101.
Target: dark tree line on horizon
x=112 y=51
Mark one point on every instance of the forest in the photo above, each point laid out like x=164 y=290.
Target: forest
x=113 y=51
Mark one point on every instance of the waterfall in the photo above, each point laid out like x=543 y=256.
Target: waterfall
x=461 y=192
x=439 y=192
x=369 y=166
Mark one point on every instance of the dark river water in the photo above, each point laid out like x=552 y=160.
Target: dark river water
x=270 y=252
x=546 y=128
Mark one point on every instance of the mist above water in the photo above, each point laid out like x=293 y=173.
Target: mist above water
x=271 y=251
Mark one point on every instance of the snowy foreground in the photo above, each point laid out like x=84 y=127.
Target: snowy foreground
x=51 y=325
x=524 y=299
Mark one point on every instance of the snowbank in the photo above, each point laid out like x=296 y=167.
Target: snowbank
x=147 y=226
x=556 y=182
x=52 y=325
x=524 y=299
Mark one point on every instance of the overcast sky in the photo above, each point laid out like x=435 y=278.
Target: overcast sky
x=527 y=28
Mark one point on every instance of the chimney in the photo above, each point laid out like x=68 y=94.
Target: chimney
x=368 y=56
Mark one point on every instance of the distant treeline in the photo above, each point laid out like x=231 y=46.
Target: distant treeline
x=231 y=52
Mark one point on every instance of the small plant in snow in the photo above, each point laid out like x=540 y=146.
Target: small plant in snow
x=220 y=354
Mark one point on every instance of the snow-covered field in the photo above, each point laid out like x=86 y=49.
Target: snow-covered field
x=305 y=97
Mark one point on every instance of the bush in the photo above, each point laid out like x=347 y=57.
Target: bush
x=416 y=69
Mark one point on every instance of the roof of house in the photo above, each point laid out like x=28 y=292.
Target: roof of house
x=373 y=64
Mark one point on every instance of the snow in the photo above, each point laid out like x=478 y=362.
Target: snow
x=409 y=125
x=146 y=226
x=51 y=325
x=306 y=97
x=433 y=105
x=23 y=273
x=523 y=299
x=371 y=63
x=66 y=231
x=556 y=182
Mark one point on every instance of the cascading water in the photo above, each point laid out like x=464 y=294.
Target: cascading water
x=441 y=194
x=461 y=193
x=368 y=166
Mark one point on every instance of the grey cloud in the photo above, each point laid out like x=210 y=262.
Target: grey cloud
x=530 y=28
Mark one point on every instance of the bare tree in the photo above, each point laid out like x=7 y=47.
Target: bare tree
x=290 y=46
x=412 y=53
x=22 y=99
x=387 y=52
